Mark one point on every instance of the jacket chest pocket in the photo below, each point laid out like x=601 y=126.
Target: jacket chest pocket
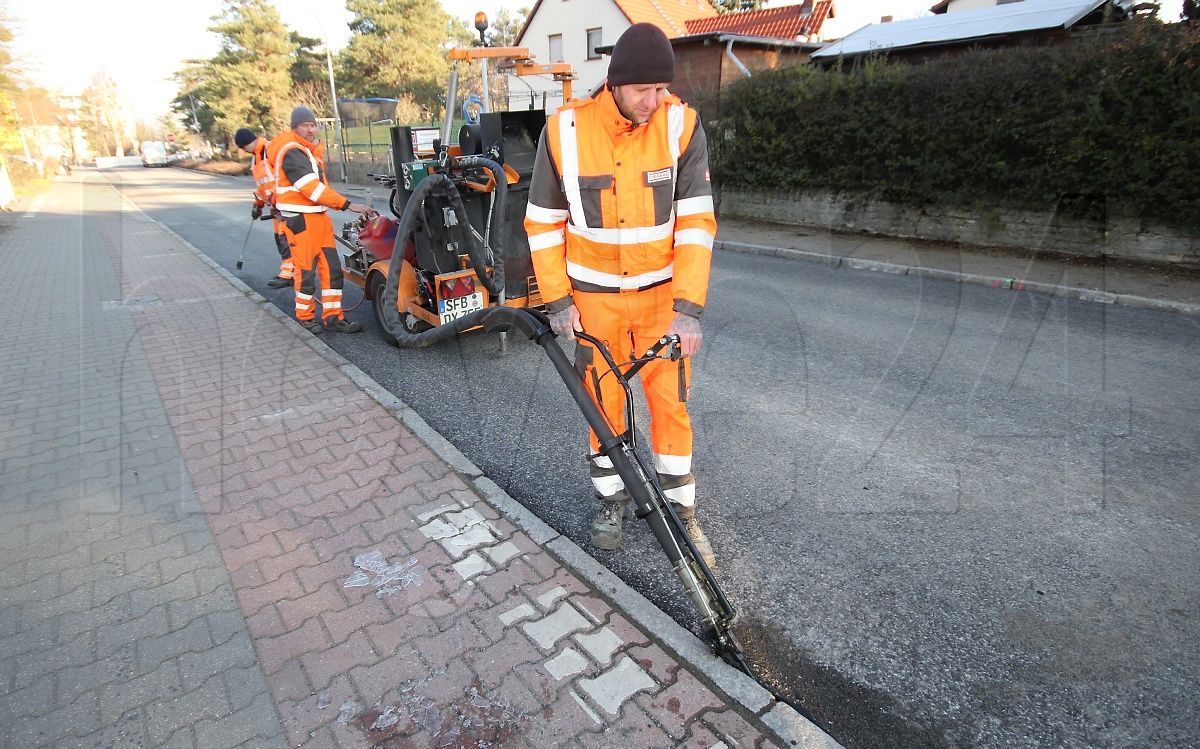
x=660 y=183
x=591 y=197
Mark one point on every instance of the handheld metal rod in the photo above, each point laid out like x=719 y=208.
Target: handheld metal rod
x=649 y=502
x=244 y=243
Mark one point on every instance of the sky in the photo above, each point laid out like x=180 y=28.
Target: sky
x=141 y=43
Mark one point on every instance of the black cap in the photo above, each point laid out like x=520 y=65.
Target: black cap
x=643 y=54
x=244 y=137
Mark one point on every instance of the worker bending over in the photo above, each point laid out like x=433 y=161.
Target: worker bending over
x=264 y=200
x=302 y=194
x=621 y=226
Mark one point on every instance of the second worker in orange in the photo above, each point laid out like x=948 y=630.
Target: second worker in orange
x=302 y=195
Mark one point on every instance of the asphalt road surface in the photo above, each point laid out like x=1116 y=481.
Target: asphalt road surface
x=951 y=517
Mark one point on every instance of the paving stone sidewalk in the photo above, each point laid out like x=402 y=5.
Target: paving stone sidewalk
x=218 y=533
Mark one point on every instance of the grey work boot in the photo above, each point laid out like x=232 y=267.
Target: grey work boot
x=278 y=282
x=606 y=526
x=313 y=326
x=692 y=526
x=338 y=325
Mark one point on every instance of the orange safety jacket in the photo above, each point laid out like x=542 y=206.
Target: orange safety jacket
x=300 y=182
x=616 y=208
x=264 y=175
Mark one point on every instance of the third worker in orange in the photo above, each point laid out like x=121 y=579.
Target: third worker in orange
x=264 y=200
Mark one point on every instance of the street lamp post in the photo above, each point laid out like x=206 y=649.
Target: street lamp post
x=337 y=118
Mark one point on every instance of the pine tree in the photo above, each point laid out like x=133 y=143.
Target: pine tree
x=249 y=81
x=505 y=27
x=396 y=47
x=308 y=65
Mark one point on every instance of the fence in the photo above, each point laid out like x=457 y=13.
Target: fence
x=368 y=146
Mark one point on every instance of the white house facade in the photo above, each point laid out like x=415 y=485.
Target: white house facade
x=566 y=31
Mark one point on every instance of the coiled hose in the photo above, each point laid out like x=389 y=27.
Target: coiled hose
x=440 y=184
x=494 y=284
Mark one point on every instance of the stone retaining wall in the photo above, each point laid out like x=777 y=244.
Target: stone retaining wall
x=1126 y=237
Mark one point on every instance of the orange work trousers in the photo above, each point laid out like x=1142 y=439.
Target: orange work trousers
x=629 y=324
x=314 y=253
x=286 y=268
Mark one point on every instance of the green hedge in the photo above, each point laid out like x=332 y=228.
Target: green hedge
x=1112 y=117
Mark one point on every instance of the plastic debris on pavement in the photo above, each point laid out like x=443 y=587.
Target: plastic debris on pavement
x=389 y=578
x=346 y=711
x=386 y=719
x=474 y=721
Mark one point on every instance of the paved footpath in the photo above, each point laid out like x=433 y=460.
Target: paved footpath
x=216 y=532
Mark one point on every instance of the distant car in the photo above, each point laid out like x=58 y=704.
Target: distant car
x=154 y=153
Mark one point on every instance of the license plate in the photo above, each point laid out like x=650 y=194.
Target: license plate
x=455 y=307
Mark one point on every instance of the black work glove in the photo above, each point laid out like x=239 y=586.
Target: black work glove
x=256 y=212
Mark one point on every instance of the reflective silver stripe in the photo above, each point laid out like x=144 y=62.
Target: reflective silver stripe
x=546 y=240
x=692 y=206
x=613 y=281
x=694 y=236
x=684 y=496
x=331 y=305
x=545 y=215
x=304 y=181
x=291 y=209
x=316 y=169
x=675 y=123
x=636 y=235
x=606 y=486
x=306 y=297
x=316 y=193
x=570 y=165
x=673 y=465
x=331 y=292
x=602 y=461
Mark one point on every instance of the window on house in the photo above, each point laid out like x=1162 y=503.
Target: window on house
x=556 y=54
x=595 y=38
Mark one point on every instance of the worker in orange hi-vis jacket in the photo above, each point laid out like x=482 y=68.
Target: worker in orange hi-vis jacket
x=264 y=200
x=621 y=227
x=302 y=195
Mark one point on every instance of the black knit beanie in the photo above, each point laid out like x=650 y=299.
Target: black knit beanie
x=643 y=54
x=244 y=137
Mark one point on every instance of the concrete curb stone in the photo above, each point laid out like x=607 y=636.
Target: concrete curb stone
x=996 y=282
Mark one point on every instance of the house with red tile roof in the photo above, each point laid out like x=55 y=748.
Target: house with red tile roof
x=718 y=52
x=801 y=22
x=570 y=30
x=712 y=50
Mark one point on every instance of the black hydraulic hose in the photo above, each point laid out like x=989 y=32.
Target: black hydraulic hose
x=495 y=233
x=391 y=289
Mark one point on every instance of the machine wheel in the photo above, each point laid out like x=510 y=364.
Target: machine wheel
x=377 y=283
x=411 y=323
